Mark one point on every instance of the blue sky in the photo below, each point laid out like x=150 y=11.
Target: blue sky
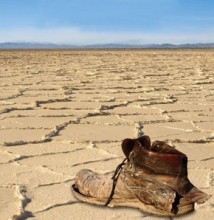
x=107 y=21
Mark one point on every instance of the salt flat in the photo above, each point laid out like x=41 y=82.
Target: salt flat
x=61 y=111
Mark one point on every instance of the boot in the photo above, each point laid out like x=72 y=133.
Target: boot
x=152 y=178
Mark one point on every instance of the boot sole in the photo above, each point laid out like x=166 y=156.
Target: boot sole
x=184 y=207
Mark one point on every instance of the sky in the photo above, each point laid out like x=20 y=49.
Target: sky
x=84 y=22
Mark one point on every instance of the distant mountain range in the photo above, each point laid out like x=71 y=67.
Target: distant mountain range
x=14 y=45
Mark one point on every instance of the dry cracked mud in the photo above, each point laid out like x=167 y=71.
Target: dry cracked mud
x=61 y=111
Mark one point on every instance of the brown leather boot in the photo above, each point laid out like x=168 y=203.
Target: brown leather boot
x=153 y=179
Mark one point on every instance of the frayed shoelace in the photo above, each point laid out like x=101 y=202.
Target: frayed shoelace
x=115 y=178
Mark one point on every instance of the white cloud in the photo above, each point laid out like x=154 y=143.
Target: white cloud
x=72 y=35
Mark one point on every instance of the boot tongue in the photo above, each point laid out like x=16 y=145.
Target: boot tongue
x=145 y=142
x=128 y=144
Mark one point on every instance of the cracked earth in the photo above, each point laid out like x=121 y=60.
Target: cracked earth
x=61 y=111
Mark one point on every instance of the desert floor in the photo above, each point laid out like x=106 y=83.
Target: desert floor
x=61 y=111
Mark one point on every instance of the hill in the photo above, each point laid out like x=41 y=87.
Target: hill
x=14 y=45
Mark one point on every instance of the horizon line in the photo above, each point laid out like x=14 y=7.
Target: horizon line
x=49 y=45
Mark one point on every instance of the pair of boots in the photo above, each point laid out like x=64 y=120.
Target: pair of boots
x=152 y=178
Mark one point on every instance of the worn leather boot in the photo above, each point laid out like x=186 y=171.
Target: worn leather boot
x=152 y=178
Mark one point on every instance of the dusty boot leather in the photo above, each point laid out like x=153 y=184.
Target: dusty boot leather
x=153 y=178
x=163 y=163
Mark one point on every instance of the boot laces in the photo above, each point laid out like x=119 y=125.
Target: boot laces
x=115 y=178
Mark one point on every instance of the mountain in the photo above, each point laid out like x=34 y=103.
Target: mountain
x=14 y=45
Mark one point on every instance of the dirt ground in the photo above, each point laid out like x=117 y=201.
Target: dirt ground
x=61 y=111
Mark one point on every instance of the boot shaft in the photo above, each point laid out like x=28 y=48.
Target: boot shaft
x=162 y=163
